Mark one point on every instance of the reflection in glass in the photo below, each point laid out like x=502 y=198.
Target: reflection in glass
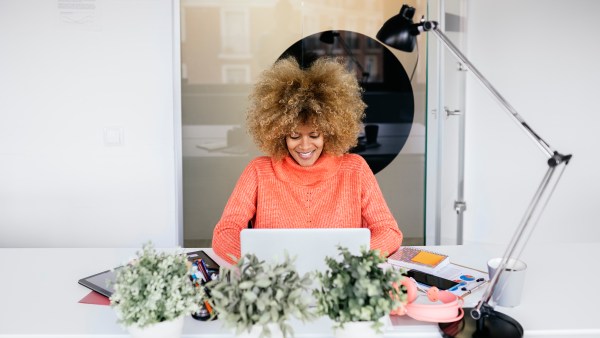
x=224 y=48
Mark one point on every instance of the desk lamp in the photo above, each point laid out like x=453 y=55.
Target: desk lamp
x=400 y=32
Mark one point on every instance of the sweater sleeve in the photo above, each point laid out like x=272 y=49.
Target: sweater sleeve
x=239 y=210
x=385 y=234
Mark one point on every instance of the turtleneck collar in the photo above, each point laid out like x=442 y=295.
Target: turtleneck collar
x=288 y=170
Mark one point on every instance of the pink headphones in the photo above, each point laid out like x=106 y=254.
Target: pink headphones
x=449 y=311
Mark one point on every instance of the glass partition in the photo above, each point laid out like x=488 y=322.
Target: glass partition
x=225 y=46
x=445 y=126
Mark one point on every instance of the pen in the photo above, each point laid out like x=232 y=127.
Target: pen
x=205 y=267
x=417 y=285
x=203 y=270
x=468 y=291
x=208 y=307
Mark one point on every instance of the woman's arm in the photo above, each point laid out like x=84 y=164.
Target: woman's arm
x=239 y=210
x=385 y=234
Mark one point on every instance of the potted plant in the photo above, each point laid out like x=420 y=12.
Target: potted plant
x=257 y=299
x=357 y=293
x=153 y=293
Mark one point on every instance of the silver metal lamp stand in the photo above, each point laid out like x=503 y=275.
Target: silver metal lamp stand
x=484 y=319
x=399 y=32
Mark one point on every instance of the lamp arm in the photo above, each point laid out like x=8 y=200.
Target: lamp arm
x=543 y=145
x=526 y=224
x=554 y=159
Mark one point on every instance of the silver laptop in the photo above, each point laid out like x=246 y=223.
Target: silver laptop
x=309 y=246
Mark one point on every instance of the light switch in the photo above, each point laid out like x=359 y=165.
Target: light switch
x=113 y=136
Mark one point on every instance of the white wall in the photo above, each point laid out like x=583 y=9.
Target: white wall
x=68 y=71
x=543 y=57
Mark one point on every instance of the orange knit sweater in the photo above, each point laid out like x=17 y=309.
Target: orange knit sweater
x=335 y=192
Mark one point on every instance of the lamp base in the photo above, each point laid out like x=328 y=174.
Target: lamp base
x=492 y=324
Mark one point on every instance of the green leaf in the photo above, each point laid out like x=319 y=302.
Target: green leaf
x=249 y=296
x=246 y=285
x=262 y=282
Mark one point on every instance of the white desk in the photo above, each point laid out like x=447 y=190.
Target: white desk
x=40 y=294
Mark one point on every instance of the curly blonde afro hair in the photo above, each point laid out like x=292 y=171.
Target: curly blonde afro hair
x=324 y=95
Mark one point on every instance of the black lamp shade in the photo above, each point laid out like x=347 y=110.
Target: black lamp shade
x=399 y=31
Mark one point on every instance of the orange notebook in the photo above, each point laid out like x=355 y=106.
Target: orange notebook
x=418 y=259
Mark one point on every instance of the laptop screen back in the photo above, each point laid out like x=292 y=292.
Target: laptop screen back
x=308 y=246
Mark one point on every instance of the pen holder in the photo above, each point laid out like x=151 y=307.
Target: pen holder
x=199 y=277
x=510 y=284
x=205 y=311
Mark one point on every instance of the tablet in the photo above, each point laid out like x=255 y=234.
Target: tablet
x=102 y=282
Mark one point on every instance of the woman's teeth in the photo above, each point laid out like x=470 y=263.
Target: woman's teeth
x=305 y=155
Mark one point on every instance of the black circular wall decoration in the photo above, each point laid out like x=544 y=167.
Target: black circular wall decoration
x=387 y=89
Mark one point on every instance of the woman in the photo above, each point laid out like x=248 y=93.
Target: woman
x=306 y=120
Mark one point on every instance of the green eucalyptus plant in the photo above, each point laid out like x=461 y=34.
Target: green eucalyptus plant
x=355 y=288
x=253 y=292
x=153 y=288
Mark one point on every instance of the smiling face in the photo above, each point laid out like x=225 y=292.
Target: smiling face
x=305 y=145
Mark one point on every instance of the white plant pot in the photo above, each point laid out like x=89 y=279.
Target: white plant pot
x=168 y=329
x=357 y=330
x=257 y=329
